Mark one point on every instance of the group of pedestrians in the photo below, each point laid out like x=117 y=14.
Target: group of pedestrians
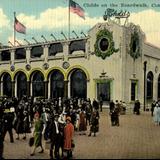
x=54 y=120
x=115 y=110
x=61 y=127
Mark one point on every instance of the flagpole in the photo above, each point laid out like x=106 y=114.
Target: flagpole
x=68 y=19
x=14 y=32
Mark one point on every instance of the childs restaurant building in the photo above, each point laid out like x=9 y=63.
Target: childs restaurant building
x=113 y=62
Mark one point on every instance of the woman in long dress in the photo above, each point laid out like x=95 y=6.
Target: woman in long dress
x=68 y=137
x=155 y=115
x=37 y=134
x=82 y=123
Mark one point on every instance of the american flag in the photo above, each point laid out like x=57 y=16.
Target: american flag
x=77 y=9
x=19 y=27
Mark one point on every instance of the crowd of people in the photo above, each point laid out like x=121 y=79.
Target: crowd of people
x=55 y=120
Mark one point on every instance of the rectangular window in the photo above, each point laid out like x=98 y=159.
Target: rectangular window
x=133 y=90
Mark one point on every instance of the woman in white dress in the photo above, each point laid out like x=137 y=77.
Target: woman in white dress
x=156 y=115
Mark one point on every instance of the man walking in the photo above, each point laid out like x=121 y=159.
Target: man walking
x=55 y=137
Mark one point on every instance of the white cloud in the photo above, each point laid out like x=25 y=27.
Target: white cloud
x=4 y=21
x=56 y=18
x=149 y=21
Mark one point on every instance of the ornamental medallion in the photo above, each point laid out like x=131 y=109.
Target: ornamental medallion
x=104 y=46
x=135 y=50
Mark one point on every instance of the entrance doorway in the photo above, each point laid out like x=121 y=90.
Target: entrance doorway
x=103 y=91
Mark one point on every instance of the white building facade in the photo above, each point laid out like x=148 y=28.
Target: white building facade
x=113 y=62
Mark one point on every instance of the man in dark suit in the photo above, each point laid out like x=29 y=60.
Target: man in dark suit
x=112 y=113
x=95 y=104
x=8 y=120
x=54 y=137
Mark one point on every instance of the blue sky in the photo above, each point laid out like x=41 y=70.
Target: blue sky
x=43 y=17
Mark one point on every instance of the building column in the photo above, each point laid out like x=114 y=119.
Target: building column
x=31 y=88
x=45 y=89
x=88 y=89
x=13 y=88
x=66 y=50
x=1 y=88
x=145 y=85
x=92 y=89
x=46 y=52
x=49 y=88
x=66 y=89
x=28 y=54
x=69 y=89
x=12 y=52
x=87 y=48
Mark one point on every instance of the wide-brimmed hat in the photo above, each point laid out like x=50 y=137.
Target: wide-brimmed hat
x=68 y=118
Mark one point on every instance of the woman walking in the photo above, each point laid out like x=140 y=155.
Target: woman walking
x=82 y=123
x=68 y=137
x=37 y=134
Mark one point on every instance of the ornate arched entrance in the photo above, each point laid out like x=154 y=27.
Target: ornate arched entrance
x=78 y=83
x=56 y=84
x=37 y=80
x=21 y=82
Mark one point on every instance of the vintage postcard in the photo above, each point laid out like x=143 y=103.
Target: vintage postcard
x=79 y=79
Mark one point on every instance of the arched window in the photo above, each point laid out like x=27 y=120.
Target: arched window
x=150 y=85
x=78 y=84
x=37 y=84
x=57 y=84
x=7 y=85
x=21 y=81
